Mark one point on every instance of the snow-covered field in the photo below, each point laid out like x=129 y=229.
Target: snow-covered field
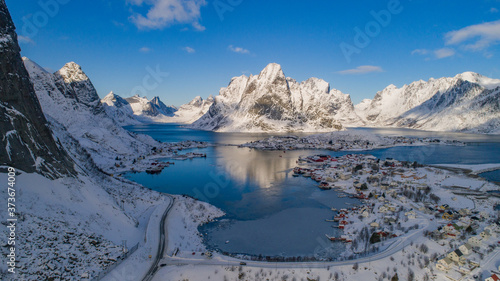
x=74 y=227
x=182 y=225
x=475 y=168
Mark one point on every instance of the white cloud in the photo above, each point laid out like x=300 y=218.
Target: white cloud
x=363 y=69
x=485 y=34
x=420 y=52
x=145 y=50
x=164 y=13
x=189 y=50
x=444 y=53
x=438 y=54
x=493 y=10
x=238 y=50
x=25 y=40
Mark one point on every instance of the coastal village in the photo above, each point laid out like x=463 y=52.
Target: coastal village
x=453 y=215
x=342 y=141
x=157 y=159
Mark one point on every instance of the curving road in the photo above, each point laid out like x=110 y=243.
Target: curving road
x=161 y=244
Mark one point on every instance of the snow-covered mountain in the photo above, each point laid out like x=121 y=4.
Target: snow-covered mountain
x=119 y=110
x=68 y=98
x=467 y=102
x=136 y=109
x=150 y=108
x=270 y=102
x=192 y=111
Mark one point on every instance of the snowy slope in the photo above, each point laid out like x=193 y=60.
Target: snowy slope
x=190 y=112
x=271 y=102
x=466 y=102
x=69 y=98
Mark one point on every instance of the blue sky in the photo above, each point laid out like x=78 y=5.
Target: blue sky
x=202 y=44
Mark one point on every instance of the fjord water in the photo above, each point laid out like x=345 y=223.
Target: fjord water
x=269 y=212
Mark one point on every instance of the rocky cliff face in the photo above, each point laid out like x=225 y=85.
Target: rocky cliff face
x=271 y=102
x=27 y=142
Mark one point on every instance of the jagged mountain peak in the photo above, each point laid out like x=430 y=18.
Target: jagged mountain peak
x=316 y=83
x=113 y=99
x=197 y=101
x=72 y=72
x=486 y=82
x=156 y=100
x=271 y=72
x=110 y=95
x=33 y=65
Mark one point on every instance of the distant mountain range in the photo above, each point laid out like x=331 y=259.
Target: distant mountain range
x=272 y=102
x=136 y=110
x=468 y=102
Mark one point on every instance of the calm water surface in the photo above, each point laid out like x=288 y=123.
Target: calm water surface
x=269 y=212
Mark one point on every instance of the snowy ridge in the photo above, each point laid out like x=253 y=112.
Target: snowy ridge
x=135 y=110
x=192 y=111
x=119 y=110
x=467 y=102
x=271 y=102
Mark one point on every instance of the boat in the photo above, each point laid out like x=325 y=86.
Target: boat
x=330 y=220
x=154 y=170
x=332 y=238
x=333 y=209
x=324 y=185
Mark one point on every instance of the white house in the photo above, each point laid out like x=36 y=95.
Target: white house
x=411 y=215
x=457 y=256
x=444 y=264
x=383 y=209
x=485 y=235
x=466 y=249
x=475 y=241
x=365 y=213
